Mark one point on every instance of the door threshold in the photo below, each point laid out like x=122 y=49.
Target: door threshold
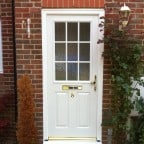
x=72 y=138
x=69 y=140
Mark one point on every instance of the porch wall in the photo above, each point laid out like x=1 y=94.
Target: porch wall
x=6 y=78
x=137 y=29
x=29 y=50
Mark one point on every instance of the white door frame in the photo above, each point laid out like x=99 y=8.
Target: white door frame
x=84 y=12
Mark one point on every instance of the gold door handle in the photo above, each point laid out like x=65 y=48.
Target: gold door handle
x=94 y=82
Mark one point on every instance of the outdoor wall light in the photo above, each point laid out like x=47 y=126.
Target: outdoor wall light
x=124 y=14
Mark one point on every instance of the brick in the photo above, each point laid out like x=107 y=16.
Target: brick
x=34 y=10
x=136 y=1
x=49 y=3
x=45 y=3
x=60 y=3
x=25 y=5
x=70 y=3
x=96 y=3
x=65 y=3
x=101 y=4
x=82 y=3
x=73 y=3
x=22 y=10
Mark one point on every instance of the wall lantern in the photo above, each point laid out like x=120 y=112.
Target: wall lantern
x=124 y=14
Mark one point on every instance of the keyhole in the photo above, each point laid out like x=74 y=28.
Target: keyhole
x=72 y=95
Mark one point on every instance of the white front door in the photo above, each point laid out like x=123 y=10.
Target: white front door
x=72 y=66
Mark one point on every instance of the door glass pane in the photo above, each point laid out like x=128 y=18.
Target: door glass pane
x=59 y=31
x=60 y=52
x=72 y=31
x=72 y=52
x=84 y=71
x=60 y=71
x=84 y=31
x=84 y=51
x=72 y=71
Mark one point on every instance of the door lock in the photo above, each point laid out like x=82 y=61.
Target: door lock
x=94 y=82
x=72 y=95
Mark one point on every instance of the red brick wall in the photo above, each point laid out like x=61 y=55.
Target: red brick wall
x=6 y=78
x=29 y=50
x=137 y=24
x=137 y=13
x=73 y=3
x=29 y=57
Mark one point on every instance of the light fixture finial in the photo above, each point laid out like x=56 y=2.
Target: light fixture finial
x=125 y=8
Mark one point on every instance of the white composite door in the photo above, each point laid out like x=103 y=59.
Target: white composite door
x=72 y=66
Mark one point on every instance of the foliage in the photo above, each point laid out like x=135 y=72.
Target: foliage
x=4 y=122
x=125 y=53
x=27 y=132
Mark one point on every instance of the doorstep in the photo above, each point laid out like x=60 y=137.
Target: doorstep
x=71 y=142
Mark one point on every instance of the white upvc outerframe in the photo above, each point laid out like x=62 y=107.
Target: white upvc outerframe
x=72 y=12
x=1 y=58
